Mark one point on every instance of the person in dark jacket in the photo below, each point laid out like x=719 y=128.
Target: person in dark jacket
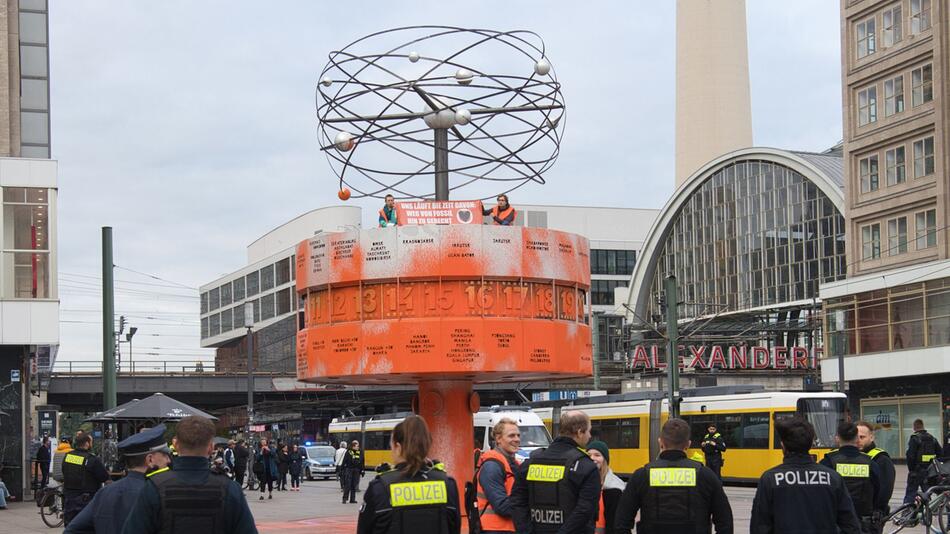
x=674 y=493
x=241 y=455
x=558 y=489
x=884 y=463
x=111 y=506
x=44 y=458
x=414 y=496
x=195 y=499
x=611 y=489
x=83 y=475
x=921 y=449
x=713 y=446
x=861 y=475
x=296 y=467
x=353 y=468
x=283 y=466
x=267 y=459
x=800 y=495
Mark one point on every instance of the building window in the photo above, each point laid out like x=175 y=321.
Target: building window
x=204 y=302
x=865 y=35
x=919 y=15
x=612 y=261
x=226 y=294
x=871 y=241
x=926 y=229
x=253 y=281
x=922 y=85
x=897 y=236
x=924 y=157
x=891 y=23
x=267 y=277
x=867 y=106
x=26 y=243
x=283 y=271
x=238 y=286
x=893 y=96
x=602 y=291
x=870 y=180
x=894 y=165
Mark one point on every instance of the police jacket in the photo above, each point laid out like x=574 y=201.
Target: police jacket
x=353 y=459
x=674 y=495
x=921 y=449
x=109 y=508
x=888 y=474
x=556 y=490
x=190 y=499
x=861 y=477
x=713 y=447
x=83 y=472
x=427 y=502
x=800 y=496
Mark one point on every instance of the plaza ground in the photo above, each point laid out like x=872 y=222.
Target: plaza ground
x=317 y=508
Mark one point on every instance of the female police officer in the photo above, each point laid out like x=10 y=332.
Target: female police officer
x=415 y=495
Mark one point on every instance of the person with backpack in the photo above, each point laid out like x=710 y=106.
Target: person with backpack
x=494 y=477
x=921 y=449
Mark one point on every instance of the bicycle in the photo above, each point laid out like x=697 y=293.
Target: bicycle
x=928 y=505
x=51 y=503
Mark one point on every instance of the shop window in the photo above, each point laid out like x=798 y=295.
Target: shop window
x=26 y=243
x=885 y=418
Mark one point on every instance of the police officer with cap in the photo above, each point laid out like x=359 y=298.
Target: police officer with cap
x=190 y=499
x=557 y=489
x=713 y=446
x=83 y=475
x=888 y=474
x=673 y=493
x=800 y=495
x=111 y=506
x=860 y=473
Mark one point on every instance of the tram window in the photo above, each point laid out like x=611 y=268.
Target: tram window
x=739 y=431
x=479 y=437
x=779 y=416
x=730 y=426
x=755 y=431
x=698 y=424
x=617 y=433
x=377 y=440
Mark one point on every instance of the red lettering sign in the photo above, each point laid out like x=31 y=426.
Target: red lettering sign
x=739 y=357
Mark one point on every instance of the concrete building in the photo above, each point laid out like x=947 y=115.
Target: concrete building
x=891 y=316
x=713 y=107
x=29 y=305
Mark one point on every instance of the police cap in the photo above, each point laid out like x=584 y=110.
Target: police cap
x=146 y=441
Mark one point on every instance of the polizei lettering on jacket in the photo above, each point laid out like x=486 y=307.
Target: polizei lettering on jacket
x=547 y=516
x=418 y=493
x=803 y=478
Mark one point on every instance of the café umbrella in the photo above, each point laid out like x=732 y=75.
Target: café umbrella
x=157 y=408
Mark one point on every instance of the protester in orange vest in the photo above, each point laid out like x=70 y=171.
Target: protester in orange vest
x=611 y=488
x=503 y=213
x=496 y=476
x=387 y=215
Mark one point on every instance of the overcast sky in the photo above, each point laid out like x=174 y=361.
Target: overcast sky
x=189 y=127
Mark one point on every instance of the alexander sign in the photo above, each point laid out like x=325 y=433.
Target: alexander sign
x=729 y=357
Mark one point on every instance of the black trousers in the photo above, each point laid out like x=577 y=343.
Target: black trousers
x=74 y=504
x=352 y=484
x=716 y=467
x=239 y=476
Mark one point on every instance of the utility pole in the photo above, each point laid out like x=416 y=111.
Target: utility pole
x=596 y=333
x=108 y=326
x=838 y=346
x=671 y=302
x=249 y=323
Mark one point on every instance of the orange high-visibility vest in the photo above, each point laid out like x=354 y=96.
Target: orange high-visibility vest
x=490 y=519
x=503 y=215
x=600 y=527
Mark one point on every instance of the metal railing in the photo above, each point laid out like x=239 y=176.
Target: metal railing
x=146 y=368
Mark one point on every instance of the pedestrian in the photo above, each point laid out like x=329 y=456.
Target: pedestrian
x=4 y=495
x=885 y=468
x=495 y=474
x=557 y=489
x=713 y=446
x=267 y=459
x=503 y=214
x=921 y=449
x=353 y=468
x=229 y=457
x=338 y=461
x=674 y=493
x=61 y=450
x=189 y=498
x=83 y=475
x=800 y=495
x=109 y=509
x=283 y=466
x=44 y=457
x=611 y=488
x=296 y=466
x=415 y=495
x=861 y=475
x=241 y=455
x=387 y=215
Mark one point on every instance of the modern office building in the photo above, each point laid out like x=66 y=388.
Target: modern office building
x=891 y=316
x=749 y=237
x=29 y=305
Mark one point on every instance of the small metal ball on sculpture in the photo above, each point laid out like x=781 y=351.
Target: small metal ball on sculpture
x=455 y=303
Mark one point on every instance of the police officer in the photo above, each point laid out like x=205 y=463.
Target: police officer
x=673 y=493
x=713 y=446
x=83 y=475
x=111 y=506
x=557 y=489
x=860 y=473
x=921 y=449
x=800 y=495
x=190 y=498
x=414 y=496
x=884 y=464
x=353 y=467
x=496 y=476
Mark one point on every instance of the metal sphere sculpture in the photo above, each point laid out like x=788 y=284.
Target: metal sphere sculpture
x=424 y=110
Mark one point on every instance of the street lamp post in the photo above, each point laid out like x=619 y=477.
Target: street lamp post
x=128 y=339
x=249 y=323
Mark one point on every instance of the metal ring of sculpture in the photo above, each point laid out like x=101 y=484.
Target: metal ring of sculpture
x=494 y=99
